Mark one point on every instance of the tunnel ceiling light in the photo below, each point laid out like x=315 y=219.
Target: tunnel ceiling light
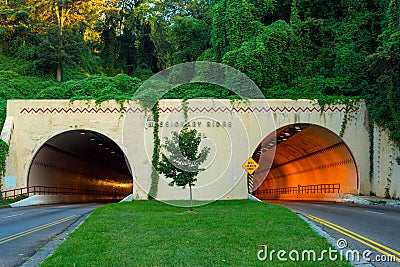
x=107 y=148
x=100 y=144
x=92 y=139
x=112 y=152
x=82 y=133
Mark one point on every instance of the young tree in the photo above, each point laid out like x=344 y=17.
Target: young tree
x=183 y=159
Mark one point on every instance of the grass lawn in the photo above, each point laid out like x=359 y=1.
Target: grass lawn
x=224 y=233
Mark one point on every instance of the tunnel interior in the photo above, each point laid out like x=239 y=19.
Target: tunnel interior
x=308 y=161
x=86 y=161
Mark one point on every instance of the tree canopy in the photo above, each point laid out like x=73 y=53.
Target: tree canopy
x=326 y=50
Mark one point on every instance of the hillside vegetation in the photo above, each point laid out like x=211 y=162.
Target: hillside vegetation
x=327 y=50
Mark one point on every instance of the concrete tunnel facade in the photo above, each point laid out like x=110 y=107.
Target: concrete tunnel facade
x=50 y=139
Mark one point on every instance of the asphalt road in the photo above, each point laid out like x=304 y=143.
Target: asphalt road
x=364 y=227
x=25 y=230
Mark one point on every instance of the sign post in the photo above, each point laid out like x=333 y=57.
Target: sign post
x=250 y=166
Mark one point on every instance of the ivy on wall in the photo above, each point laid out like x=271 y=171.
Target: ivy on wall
x=156 y=154
x=371 y=149
x=3 y=155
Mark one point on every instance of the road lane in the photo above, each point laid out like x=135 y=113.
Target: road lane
x=376 y=223
x=26 y=229
x=385 y=252
x=35 y=229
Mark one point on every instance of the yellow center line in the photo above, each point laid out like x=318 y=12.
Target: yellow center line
x=35 y=229
x=41 y=226
x=362 y=239
x=357 y=235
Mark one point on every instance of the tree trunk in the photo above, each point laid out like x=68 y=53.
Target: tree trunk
x=191 y=197
x=59 y=71
x=60 y=16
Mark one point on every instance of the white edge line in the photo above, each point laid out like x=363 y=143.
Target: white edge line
x=374 y=212
x=15 y=215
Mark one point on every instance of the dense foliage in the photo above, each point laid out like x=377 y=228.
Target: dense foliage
x=325 y=50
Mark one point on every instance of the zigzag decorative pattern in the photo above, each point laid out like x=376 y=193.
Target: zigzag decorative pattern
x=180 y=109
x=256 y=109
x=77 y=110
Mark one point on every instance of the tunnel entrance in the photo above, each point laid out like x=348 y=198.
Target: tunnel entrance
x=82 y=163
x=310 y=163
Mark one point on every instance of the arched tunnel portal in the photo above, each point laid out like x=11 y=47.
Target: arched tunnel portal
x=83 y=163
x=309 y=162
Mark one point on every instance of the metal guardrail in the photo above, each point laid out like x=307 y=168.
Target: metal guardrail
x=20 y=193
x=301 y=189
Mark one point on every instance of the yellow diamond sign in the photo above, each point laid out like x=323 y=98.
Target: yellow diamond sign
x=250 y=166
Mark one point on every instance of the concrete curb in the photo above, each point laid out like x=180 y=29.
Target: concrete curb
x=48 y=249
x=370 y=200
x=253 y=198
x=54 y=199
x=333 y=242
x=127 y=199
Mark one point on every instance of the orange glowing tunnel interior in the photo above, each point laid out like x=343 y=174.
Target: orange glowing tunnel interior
x=303 y=162
x=84 y=160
